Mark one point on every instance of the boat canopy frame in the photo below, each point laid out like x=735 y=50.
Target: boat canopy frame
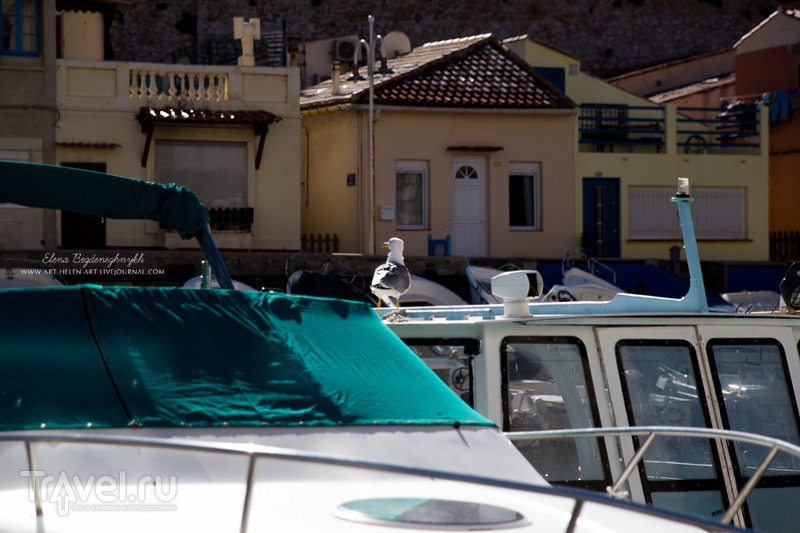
x=107 y=195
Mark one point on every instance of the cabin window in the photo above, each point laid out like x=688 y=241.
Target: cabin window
x=660 y=382
x=719 y=213
x=411 y=189
x=19 y=28
x=751 y=376
x=451 y=360
x=546 y=388
x=523 y=196
x=201 y=165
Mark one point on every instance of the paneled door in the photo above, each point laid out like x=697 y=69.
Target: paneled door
x=601 y=217
x=469 y=207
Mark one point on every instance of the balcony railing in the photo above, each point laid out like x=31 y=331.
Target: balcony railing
x=124 y=86
x=732 y=129
x=231 y=218
x=177 y=84
x=707 y=130
x=604 y=126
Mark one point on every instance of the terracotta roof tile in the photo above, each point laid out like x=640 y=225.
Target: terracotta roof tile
x=473 y=72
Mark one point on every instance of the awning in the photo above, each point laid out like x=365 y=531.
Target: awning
x=148 y=117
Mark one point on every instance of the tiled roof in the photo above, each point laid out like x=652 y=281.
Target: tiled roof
x=472 y=72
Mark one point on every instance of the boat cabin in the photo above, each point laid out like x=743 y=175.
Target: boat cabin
x=629 y=362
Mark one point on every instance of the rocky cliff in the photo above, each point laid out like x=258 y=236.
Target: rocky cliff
x=610 y=36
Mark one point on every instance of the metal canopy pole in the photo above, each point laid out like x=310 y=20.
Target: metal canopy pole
x=213 y=258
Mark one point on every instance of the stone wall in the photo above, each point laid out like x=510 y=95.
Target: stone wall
x=610 y=36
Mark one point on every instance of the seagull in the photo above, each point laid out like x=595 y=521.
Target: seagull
x=392 y=279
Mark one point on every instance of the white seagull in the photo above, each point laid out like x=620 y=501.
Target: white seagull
x=392 y=279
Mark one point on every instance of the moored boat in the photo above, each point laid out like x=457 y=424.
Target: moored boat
x=634 y=360
x=163 y=408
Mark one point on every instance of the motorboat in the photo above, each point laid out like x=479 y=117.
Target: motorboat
x=540 y=367
x=576 y=283
x=587 y=286
x=162 y=408
x=480 y=283
x=764 y=300
x=586 y=283
x=331 y=279
x=335 y=279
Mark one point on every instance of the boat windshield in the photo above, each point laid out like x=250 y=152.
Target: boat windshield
x=756 y=397
x=661 y=382
x=546 y=388
x=662 y=388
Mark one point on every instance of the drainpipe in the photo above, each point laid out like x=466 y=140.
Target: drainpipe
x=371 y=133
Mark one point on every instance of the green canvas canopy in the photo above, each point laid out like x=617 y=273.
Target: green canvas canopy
x=99 y=194
x=72 y=357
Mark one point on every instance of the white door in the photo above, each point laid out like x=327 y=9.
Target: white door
x=469 y=206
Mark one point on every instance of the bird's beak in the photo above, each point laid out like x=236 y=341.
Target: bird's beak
x=385 y=245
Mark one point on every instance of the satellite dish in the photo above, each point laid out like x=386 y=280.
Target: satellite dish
x=397 y=43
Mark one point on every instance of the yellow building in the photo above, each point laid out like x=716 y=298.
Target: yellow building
x=230 y=133
x=630 y=154
x=468 y=145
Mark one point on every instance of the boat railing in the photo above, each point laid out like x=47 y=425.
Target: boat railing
x=773 y=446
x=254 y=452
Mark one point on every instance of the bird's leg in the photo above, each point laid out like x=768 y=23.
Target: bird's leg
x=397 y=303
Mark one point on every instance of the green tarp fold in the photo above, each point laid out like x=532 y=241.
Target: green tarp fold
x=99 y=194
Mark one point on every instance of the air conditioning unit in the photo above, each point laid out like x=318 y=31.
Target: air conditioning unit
x=344 y=50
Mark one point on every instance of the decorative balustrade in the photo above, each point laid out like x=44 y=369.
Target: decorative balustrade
x=178 y=85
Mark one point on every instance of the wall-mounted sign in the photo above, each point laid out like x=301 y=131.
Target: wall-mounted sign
x=386 y=212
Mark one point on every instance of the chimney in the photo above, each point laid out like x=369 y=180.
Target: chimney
x=336 y=87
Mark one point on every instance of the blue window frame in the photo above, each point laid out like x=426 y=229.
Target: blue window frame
x=19 y=27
